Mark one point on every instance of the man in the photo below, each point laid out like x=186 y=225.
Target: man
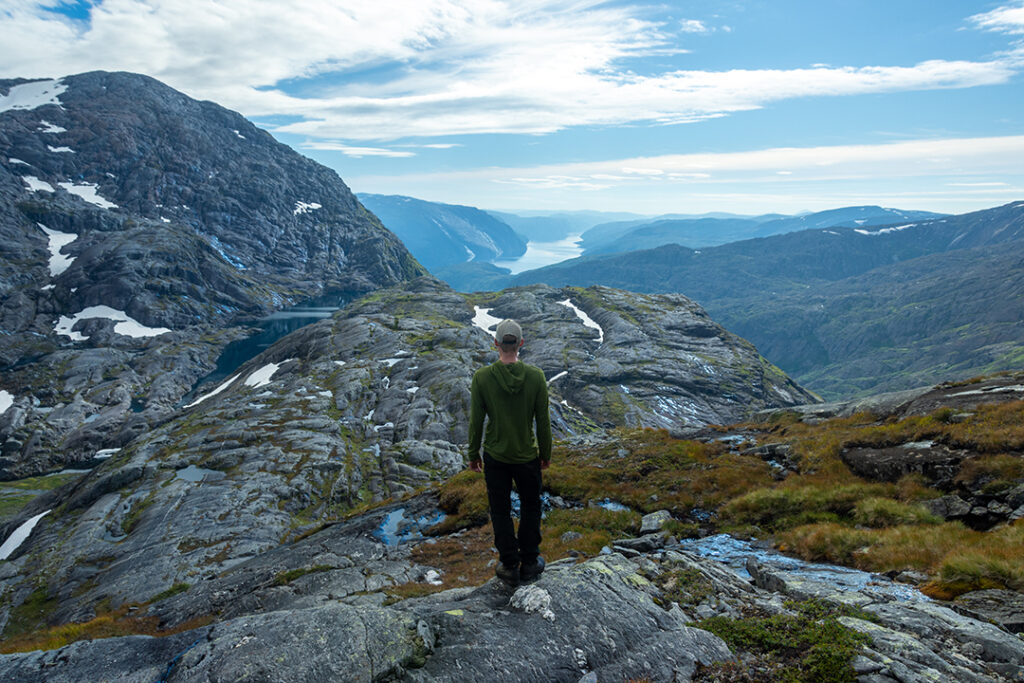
x=514 y=397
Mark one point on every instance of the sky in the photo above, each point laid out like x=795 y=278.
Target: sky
x=741 y=106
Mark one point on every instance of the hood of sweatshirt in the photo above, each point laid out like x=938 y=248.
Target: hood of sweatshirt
x=510 y=376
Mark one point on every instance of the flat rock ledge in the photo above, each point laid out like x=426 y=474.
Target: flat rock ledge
x=604 y=619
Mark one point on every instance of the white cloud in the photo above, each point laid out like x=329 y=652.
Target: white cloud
x=693 y=26
x=1005 y=19
x=816 y=177
x=447 y=67
x=356 y=152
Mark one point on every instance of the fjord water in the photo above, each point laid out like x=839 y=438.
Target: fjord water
x=540 y=254
x=268 y=331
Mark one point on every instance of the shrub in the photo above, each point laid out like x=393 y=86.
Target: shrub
x=884 y=512
x=811 y=645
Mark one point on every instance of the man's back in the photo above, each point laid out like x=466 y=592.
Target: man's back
x=513 y=396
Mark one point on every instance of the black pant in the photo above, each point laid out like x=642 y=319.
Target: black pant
x=499 y=477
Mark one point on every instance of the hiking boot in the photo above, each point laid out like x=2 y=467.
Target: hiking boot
x=507 y=573
x=531 y=571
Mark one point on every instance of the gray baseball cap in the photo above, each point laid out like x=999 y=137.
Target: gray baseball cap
x=508 y=328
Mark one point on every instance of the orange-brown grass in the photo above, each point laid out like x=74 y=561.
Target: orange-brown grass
x=961 y=559
x=464 y=499
x=463 y=561
x=657 y=472
x=994 y=473
x=994 y=428
x=786 y=506
x=119 y=622
x=598 y=527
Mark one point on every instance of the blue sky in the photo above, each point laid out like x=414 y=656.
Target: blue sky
x=684 y=107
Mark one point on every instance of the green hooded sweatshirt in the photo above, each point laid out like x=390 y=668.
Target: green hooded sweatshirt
x=513 y=396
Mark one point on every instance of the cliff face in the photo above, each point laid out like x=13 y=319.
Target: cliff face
x=138 y=229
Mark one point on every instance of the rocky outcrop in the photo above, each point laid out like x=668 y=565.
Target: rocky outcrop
x=367 y=405
x=980 y=501
x=314 y=610
x=140 y=232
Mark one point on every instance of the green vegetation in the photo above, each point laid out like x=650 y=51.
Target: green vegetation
x=286 y=577
x=683 y=586
x=810 y=645
x=170 y=592
x=14 y=495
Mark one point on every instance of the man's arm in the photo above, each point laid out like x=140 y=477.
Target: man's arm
x=542 y=417
x=477 y=411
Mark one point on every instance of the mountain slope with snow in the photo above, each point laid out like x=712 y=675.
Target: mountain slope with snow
x=140 y=231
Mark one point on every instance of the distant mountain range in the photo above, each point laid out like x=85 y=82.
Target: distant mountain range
x=442 y=235
x=706 y=231
x=849 y=310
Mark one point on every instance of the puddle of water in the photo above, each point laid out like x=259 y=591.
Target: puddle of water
x=734 y=553
x=197 y=474
x=612 y=505
x=396 y=528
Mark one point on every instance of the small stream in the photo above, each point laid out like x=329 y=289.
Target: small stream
x=734 y=552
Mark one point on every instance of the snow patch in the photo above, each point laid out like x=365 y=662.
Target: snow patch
x=885 y=230
x=304 y=207
x=6 y=401
x=238 y=134
x=58 y=240
x=31 y=95
x=560 y=375
x=213 y=393
x=340 y=363
x=831 y=232
x=390 y=362
x=410 y=390
x=261 y=377
x=47 y=127
x=483 y=319
x=60 y=149
x=47 y=288
x=12 y=160
x=126 y=326
x=587 y=321
x=992 y=390
x=20 y=534
x=37 y=185
x=105 y=453
x=88 y=192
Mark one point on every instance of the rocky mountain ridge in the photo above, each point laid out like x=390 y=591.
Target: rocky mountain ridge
x=225 y=505
x=140 y=232
x=367 y=405
x=712 y=231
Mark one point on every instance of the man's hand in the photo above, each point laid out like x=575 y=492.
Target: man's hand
x=544 y=464
x=476 y=465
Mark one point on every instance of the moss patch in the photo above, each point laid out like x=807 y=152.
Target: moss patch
x=810 y=645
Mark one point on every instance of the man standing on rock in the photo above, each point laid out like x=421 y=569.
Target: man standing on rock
x=514 y=397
